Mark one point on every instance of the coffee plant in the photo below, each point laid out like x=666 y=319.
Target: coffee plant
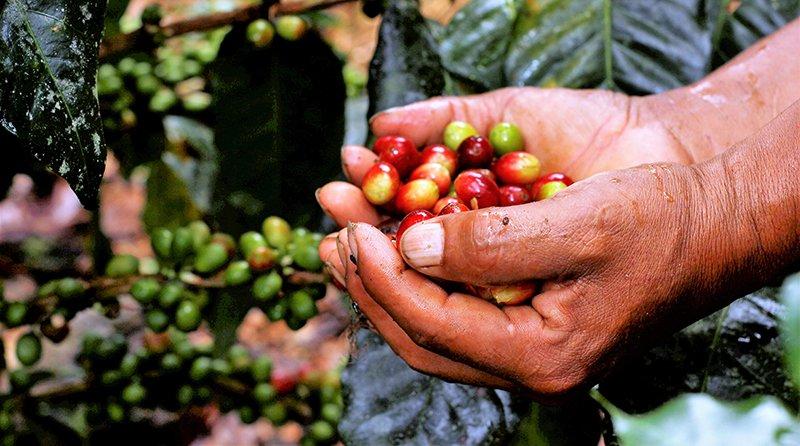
x=229 y=116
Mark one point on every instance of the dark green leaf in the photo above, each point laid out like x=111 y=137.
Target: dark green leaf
x=406 y=67
x=193 y=157
x=279 y=127
x=475 y=41
x=576 y=422
x=388 y=403
x=48 y=52
x=631 y=45
x=227 y=309
x=790 y=326
x=169 y=202
x=733 y=354
x=702 y=420
x=114 y=11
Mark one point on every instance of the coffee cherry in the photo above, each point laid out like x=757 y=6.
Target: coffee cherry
x=148 y=84
x=115 y=412
x=555 y=176
x=507 y=294
x=163 y=100
x=239 y=358
x=276 y=413
x=307 y=257
x=145 y=290
x=260 y=32
x=517 y=168
x=148 y=266
x=69 y=288
x=321 y=431
x=261 y=258
x=185 y=395
x=435 y=172
x=485 y=172
x=291 y=27
x=20 y=379
x=156 y=320
x=416 y=195
x=549 y=189
x=442 y=202
x=224 y=240
x=506 y=138
x=203 y=395
x=387 y=142
x=264 y=393
x=122 y=266
x=171 y=362
x=170 y=295
x=129 y=365
x=276 y=231
x=475 y=151
x=134 y=393
x=302 y=305
x=238 y=273
x=29 y=349
x=453 y=208
x=278 y=310
x=456 y=132
x=267 y=287
x=16 y=313
x=201 y=234
x=210 y=258
x=221 y=367
x=381 y=183
x=404 y=157
x=440 y=154
x=247 y=414
x=513 y=195
x=250 y=241
x=182 y=243
x=331 y=413
x=476 y=190
x=410 y=220
x=200 y=369
x=161 y=239
x=187 y=317
x=261 y=369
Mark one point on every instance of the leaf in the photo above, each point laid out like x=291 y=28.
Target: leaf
x=630 y=46
x=169 y=202
x=388 y=403
x=227 y=309
x=405 y=67
x=193 y=157
x=476 y=39
x=279 y=115
x=733 y=354
x=790 y=326
x=575 y=422
x=48 y=52
x=702 y=420
x=115 y=9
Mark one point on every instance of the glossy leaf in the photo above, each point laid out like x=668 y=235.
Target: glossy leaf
x=193 y=157
x=790 y=326
x=388 y=403
x=169 y=201
x=405 y=67
x=48 y=57
x=702 y=420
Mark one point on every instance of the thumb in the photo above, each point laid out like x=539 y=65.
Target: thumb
x=494 y=246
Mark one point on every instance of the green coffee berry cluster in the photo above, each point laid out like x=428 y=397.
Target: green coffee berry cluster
x=289 y=27
x=323 y=396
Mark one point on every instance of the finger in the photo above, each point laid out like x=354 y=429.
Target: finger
x=356 y=161
x=417 y=357
x=345 y=203
x=458 y=326
x=497 y=245
x=424 y=121
x=330 y=256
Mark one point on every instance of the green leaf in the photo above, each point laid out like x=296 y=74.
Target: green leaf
x=388 y=403
x=193 y=157
x=279 y=115
x=48 y=52
x=630 y=46
x=790 y=326
x=169 y=201
x=114 y=12
x=702 y=420
x=475 y=41
x=405 y=67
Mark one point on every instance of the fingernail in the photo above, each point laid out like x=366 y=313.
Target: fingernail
x=351 y=242
x=335 y=273
x=340 y=250
x=423 y=245
x=319 y=202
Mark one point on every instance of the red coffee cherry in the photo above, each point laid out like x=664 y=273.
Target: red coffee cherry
x=404 y=157
x=476 y=190
x=410 y=220
x=387 y=142
x=517 y=168
x=436 y=172
x=439 y=153
x=444 y=201
x=416 y=195
x=513 y=195
x=475 y=151
x=381 y=183
x=453 y=208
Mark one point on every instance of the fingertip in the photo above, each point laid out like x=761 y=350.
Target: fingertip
x=345 y=202
x=356 y=161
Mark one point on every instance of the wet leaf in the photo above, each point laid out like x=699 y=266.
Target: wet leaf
x=790 y=326
x=48 y=63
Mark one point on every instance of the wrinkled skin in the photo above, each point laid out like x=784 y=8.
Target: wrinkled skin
x=658 y=233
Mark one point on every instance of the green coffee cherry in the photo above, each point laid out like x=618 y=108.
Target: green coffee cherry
x=260 y=32
x=148 y=266
x=48 y=288
x=203 y=394
x=134 y=393
x=122 y=266
x=126 y=65
x=307 y=257
x=201 y=234
x=90 y=344
x=69 y=288
x=171 y=362
x=157 y=320
x=302 y=305
x=225 y=240
x=16 y=314
x=196 y=101
x=191 y=67
x=115 y=412
x=276 y=413
x=238 y=273
x=261 y=258
x=221 y=367
x=163 y=100
x=550 y=188
x=129 y=365
x=239 y=358
x=182 y=243
x=264 y=393
x=112 y=348
x=170 y=295
x=250 y=241
x=201 y=368
x=148 y=84
x=142 y=69
x=187 y=317
x=276 y=231
x=184 y=349
x=261 y=369
x=152 y=14
x=29 y=349
x=506 y=137
x=110 y=378
x=145 y=290
x=266 y=287
x=278 y=310
x=331 y=413
x=247 y=415
x=161 y=240
x=321 y=431
x=456 y=132
x=210 y=258
x=20 y=379
x=185 y=395
x=291 y=27
x=294 y=322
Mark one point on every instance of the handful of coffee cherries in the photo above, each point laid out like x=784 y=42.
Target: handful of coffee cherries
x=467 y=172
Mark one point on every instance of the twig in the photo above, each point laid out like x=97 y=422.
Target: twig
x=299 y=8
